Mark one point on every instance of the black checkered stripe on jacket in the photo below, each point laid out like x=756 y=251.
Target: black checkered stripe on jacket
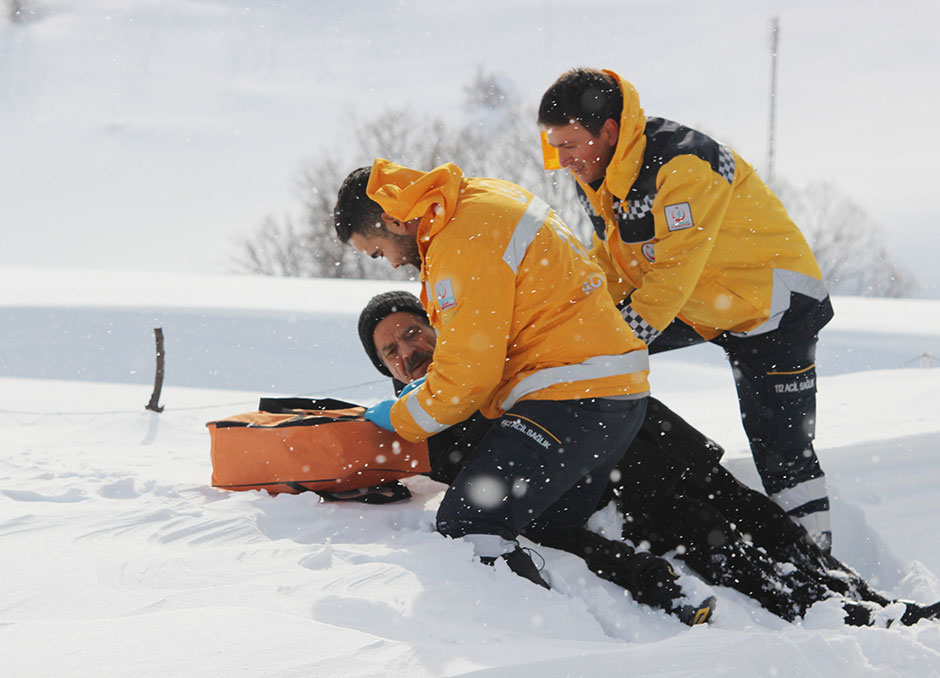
x=642 y=329
x=636 y=209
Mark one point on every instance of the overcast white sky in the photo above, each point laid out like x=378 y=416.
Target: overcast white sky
x=150 y=135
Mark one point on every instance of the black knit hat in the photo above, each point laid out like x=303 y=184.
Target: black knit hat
x=380 y=306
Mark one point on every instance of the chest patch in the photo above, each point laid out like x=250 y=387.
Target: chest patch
x=679 y=216
x=444 y=293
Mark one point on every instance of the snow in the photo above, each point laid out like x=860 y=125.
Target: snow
x=119 y=558
x=149 y=136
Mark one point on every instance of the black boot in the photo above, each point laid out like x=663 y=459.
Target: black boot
x=915 y=612
x=655 y=584
x=651 y=580
x=829 y=572
x=864 y=614
x=858 y=614
x=521 y=563
x=785 y=591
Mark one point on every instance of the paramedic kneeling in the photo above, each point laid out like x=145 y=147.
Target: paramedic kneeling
x=527 y=333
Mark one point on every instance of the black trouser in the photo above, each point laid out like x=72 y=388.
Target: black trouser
x=775 y=376
x=541 y=467
x=699 y=516
x=734 y=536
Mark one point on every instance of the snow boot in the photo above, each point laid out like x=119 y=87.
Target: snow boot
x=858 y=614
x=716 y=551
x=915 y=612
x=648 y=578
x=521 y=563
x=655 y=584
x=691 y=615
x=829 y=572
x=865 y=614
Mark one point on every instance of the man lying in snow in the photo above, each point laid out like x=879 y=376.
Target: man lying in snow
x=673 y=494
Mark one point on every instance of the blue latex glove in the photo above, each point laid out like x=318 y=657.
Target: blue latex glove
x=411 y=387
x=380 y=414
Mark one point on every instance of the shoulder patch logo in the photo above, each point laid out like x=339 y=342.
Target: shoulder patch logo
x=679 y=216
x=444 y=292
x=596 y=281
x=649 y=252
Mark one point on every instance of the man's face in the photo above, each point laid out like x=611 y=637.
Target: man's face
x=586 y=155
x=399 y=250
x=405 y=344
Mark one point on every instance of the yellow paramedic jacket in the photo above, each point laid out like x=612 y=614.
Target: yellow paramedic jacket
x=685 y=228
x=520 y=310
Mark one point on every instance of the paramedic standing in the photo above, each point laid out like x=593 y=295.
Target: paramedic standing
x=697 y=248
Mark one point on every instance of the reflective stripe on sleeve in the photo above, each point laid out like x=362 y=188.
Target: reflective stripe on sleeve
x=597 y=367
x=535 y=215
x=784 y=283
x=428 y=424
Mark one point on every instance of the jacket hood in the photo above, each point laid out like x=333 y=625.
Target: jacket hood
x=408 y=194
x=631 y=144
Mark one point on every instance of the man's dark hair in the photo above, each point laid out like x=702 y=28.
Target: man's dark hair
x=356 y=212
x=587 y=96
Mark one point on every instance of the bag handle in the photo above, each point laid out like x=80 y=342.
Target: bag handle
x=287 y=405
x=377 y=494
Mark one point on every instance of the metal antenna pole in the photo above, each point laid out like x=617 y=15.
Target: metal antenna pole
x=774 y=35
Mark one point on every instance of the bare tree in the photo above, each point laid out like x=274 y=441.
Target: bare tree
x=500 y=139
x=420 y=142
x=327 y=257
x=273 y=250
x=515 y=154
x=846 y=242
x=488 y=91
x=314 y=250
x=280 y=248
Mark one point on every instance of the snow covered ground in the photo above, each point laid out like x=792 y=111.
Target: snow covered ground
x=119 y=559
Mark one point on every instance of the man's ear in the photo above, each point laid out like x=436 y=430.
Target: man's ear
x=392 y=225
x=611 y=128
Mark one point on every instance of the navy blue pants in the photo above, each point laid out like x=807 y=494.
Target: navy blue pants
x=539 y=471
x=775 y=376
